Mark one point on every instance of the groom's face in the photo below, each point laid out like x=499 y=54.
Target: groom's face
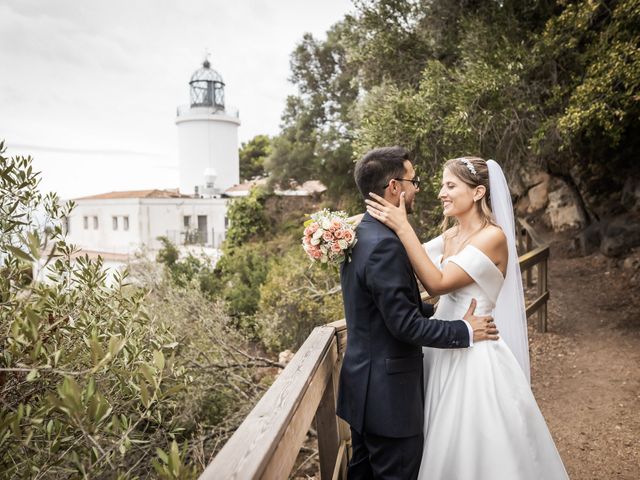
x=406 y=185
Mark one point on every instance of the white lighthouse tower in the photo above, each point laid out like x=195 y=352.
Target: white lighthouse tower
x=207 y=137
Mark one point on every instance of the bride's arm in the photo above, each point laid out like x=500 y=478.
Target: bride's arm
x=437 y=282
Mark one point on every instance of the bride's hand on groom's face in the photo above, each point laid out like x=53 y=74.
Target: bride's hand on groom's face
x=484 y=328
x=384 y=211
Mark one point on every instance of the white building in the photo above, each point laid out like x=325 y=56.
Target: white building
x=114 y=225
x=122 y=222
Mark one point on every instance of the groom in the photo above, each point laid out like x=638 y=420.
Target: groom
x=381 y=392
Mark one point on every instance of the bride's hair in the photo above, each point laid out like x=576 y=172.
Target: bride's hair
x=474 y=172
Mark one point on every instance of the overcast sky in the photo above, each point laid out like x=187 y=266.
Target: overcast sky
x=90 y=88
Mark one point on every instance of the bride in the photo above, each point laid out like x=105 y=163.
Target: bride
x=481 y=419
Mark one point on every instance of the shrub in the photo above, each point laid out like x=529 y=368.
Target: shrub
x=247 y=219
x=242 y=271
x=296 y=297
x=114 y=381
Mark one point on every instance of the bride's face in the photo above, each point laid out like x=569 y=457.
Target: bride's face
x=455 y=195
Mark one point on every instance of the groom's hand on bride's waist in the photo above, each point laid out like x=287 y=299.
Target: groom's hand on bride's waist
x=484 y=328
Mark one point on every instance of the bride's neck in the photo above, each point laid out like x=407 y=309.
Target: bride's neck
x=469 y=222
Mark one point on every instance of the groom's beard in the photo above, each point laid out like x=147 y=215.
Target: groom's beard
x=408 y=206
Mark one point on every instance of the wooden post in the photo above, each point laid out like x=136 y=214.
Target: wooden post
x=545 y=270
x=521 y=241
x=344 y=432
x=327 y=426
x=542 y=288
x=529 y=274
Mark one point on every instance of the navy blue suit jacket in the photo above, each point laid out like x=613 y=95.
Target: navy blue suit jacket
x=381 y=382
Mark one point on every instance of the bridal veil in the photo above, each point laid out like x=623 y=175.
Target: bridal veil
x=509 y=314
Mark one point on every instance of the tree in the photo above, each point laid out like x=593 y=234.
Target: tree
x=247 y=219
x=317 y=124
x=252 y=157
x=588 y=58
x=105 y=379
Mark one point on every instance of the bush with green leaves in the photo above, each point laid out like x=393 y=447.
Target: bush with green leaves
x=98 y=380
x=296 y=297
x=247 y=219
x=242 y=271
x=184 y=270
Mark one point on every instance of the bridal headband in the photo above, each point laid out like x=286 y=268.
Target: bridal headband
x=469 y=165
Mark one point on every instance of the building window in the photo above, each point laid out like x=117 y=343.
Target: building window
x=125 y=223
x=85 y=221
x=187 y=221
x=114 y=220
x=95 y=223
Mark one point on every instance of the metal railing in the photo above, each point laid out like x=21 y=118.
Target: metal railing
x=183 y=110
x=196 y=237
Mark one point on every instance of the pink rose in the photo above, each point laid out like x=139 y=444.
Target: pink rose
x=347 y=235
x=327 y=236
x=335 y=225
x=335 y=247
x=316 y=253
x=339 y=234
x=312 y=228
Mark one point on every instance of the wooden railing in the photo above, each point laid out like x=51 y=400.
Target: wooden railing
x=267 y=443
x=540 y=259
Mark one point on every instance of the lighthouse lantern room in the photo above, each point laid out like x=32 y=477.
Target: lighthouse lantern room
x=207 y=137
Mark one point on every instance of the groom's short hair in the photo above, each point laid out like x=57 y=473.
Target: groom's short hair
x=373 y=171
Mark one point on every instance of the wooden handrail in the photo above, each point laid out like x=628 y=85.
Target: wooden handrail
x=533 y=257
x=267 y=443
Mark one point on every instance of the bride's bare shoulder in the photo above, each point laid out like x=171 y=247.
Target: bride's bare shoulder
x=490 y=240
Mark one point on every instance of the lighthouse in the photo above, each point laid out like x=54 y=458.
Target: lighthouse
x=207 y=137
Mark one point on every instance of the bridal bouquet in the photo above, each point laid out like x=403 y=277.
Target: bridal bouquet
x=328 y=237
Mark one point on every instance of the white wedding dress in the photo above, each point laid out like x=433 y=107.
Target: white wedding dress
x=481 y=418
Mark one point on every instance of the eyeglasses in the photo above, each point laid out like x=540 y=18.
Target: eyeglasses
x=415 y=181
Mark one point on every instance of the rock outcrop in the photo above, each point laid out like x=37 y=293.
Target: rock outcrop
x=564 y=210
x=551 y=197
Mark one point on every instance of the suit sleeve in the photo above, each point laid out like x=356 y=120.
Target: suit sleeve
x=427 y=309
x=389 y=277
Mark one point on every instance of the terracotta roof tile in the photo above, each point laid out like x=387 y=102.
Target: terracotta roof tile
x=155 y=193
